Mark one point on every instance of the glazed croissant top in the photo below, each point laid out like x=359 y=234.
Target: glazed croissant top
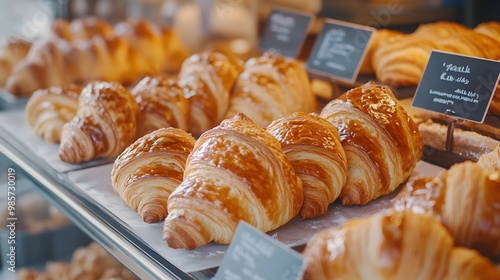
x=465 y=199
x=236 y=171
x=391 y=245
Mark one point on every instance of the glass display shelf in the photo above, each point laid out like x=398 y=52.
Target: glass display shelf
x=104 y=228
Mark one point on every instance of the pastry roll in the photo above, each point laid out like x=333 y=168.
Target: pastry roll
x=465 y=199
x=380 y=37
x=491 y=160
x=381 y=142
x=313 y=146
x=392 y=245
x=490 y=28
x=271 y=87
x=208 y=78
x=236 y=171
x=162 y=104
x=104 y=125
x=49 y=109
x=146 y=173
x=11 y=54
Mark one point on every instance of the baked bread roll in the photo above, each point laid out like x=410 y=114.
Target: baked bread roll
x=491 y=160
x=104 y=125
x=271 y=87
x=380 y=37
x=440 y=30
x=146 y=172
x=313 y=146
x=391 y=245
x=236 y=171
x=162 y=104
x=208 y=78
x=403 y=61
x=49 y=109
x=381 y=142
x=11 y=53
x=465 y=199
x=490 y=28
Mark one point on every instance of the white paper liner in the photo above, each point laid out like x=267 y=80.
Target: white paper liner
x=96 y=182
x=14 y=122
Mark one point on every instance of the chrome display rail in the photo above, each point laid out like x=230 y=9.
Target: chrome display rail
x=95 y=221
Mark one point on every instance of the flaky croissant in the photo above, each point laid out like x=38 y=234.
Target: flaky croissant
x=236 y=171
x=391 y=245
x=380 y=37
x=381 y=142
x=104 y=125
x=271 y=87
x=208 y=78
x=162 y=104
x=313 y=146
x=12 y=53
x=491 y=160
x=146 y=173
x=465 y=199
x=49 y=109
x=490 y=28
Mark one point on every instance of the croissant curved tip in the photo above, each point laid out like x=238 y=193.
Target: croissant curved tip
x=150 y=217
x=181 y=233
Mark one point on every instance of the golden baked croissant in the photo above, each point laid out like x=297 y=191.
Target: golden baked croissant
x=490 y=28
x=104 y=125
x=313 y=146
x=147 y=171
x=491 y=160
x=11 y=53
x=403 y=61
x=236 y=171
x=208 y=78
x=162 y=104
x=49 y=109
x=41 y=68
x=271 y=87
x=381 y=142
x=391 y=245
x=465 y=199
x=440 y=30
x=380 y=37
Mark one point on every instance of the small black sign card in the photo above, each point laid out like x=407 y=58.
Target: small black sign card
x=457 y=85
x=253 y=254
x=339 y=50
x=285 y=32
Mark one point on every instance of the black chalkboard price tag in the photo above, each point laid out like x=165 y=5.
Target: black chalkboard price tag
x=285 y=32
x=253 y=254
x=457 y=85
x=339 y=50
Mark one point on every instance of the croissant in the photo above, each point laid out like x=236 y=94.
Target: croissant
x=10 y=54
x=403 y=61
x=491 y=160
x=236 y=171
x=391 y=245
x=104 y=125
x=49 y=109
x=208 y=78
x=440 y=30
x=271 y=87
x=491 y=28
x=465 y=199
x=42 y=68
x=380 y=140
x=162 y=104
x=313 y=146
x=147 y=171
x=380 y=37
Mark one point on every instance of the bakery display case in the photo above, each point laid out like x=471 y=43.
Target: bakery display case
x=156 y=139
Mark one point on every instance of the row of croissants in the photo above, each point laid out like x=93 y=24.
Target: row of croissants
x=89 y=49
x=103 y=118
x=444 y=227
x=361 y=146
